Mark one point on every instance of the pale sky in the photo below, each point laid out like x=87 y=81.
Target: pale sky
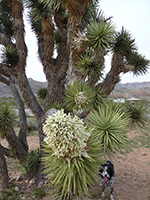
x=134 y=15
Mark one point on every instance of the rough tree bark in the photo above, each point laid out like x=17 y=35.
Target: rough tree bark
x=3 y=171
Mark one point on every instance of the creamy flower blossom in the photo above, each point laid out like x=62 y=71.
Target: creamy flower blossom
x=81 y=99
x=65 y=135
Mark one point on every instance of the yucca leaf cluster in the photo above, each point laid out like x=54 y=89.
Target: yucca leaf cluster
x=138 y=113
x=110 y=126
x=9 y=56
x=89 y=66
x=41 y=93
x=124 y=43
x=31 y=165
x=38 y=8
x=140 y=63
x=79 y=96
x=70 y=156
x=5 y=18
x=100 y=35
x=7 y=118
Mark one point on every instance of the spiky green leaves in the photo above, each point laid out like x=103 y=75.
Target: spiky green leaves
x=110 y=127
x=71 y=156
x=31 y=164
x=70 y=180
x=38 y=8
x=124 y=43
x=79 y=96
x=41 y=93
x=100 y=34
x=5 y=18
x=7 y=118
x=138 y=113
x=88 y=65
x=9 y=56
x=140 y=63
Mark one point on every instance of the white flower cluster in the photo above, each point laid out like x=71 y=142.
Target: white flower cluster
x=65 y=135
x=81 y=99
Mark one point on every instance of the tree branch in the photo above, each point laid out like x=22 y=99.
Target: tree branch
x=4 y=39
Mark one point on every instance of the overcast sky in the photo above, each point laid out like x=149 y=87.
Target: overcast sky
x=134 y=15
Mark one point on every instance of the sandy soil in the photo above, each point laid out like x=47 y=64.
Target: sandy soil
x=132 y=174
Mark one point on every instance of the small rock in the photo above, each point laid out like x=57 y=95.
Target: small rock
x=143 y=153
x=20 y=177
x=16 y=189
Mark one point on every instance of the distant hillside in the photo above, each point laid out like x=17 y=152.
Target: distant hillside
x=139 y=90
x=35 y=86
x=136 y=89
x=134 y=85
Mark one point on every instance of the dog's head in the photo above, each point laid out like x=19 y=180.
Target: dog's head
x=106 y=171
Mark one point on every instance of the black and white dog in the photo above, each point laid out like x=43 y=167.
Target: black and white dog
x=106 y=174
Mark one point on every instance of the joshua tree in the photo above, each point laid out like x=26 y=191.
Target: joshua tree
x=82 y=37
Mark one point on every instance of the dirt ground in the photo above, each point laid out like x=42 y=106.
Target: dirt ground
x=132 y=173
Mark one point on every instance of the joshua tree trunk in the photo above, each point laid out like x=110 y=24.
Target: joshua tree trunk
x=16 y=145
x=3 y=172
x=22 y=115
x=118 y=66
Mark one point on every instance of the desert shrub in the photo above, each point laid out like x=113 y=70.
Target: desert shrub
x=39 y=193
x=11 y=194
x=31 y=165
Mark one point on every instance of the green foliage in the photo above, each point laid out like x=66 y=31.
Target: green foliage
x=90 y=13
x=72 y=179
x=138 y=113
x=79 y=96
x=35 y=25
x=88 y=65
x=100 y=34
x=110 y=127
x=39 y=193
x=38 y=9
x=7 y=118
x=9 y=56
x=140 y=63
x=5 y=19
x=41 y=93
x=71 y=156
x=57 y=106
x=124 y=43
x=31 y=165
x=57 y=36
x=98 y=98
x=11 y=194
